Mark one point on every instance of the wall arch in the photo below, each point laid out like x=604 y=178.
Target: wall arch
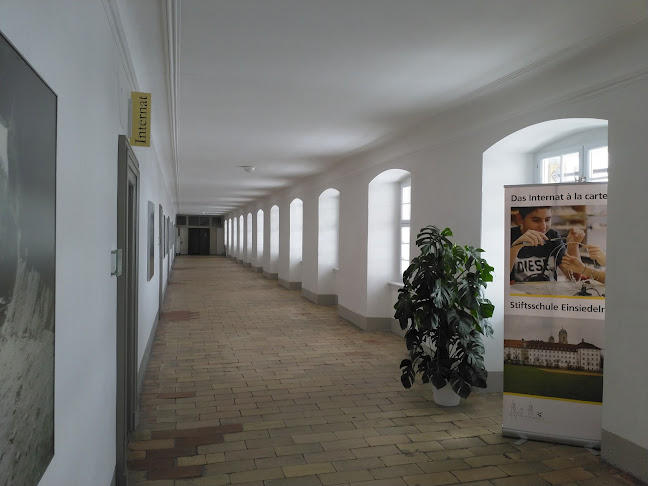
x=273 y=255
x=248 y=239
x=259 y=240
x=510 y=161
x=241 y=238
x=296 y=241
x=328 y=243
x=383 y=240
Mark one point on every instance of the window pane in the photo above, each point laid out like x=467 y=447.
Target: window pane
x=405 y=234
x=404 y=252
x=404 y=265
x=551 y=170
x=598 y=159
x=406 y=194
x=405 y=212
x=570 y=167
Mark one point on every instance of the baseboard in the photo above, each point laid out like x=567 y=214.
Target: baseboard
x=290 y=285
x=396 y=329
x=247 y=264
x=147 y=355
x=258 y=269
x=320 y=299
x=625 y=455
x=363 y=322
x=494 y=383
x=270 y=276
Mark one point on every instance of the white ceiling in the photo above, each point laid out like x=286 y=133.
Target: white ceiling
x=294 y=86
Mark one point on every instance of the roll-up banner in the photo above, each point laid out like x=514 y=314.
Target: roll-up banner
x=555 y=312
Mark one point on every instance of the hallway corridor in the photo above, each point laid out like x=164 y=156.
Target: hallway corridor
x=250 y=384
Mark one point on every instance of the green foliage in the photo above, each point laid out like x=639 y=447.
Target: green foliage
x=442 y=308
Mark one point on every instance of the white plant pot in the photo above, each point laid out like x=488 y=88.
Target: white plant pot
x=446 y=396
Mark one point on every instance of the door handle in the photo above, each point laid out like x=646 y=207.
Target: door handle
x=116 y=257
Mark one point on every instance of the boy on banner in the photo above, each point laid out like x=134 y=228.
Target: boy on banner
x=537 y=250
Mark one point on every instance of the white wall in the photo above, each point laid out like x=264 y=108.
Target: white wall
x=81 y=62
x=352 y=276
x=310 y=249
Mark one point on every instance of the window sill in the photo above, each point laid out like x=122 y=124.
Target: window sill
x=398 y=285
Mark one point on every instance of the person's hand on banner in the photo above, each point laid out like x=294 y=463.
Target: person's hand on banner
x=597 y=254
x=575 y=236
x=532 y=238
x=574 y=264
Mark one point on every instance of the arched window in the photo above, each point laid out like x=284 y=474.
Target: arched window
x=248 y=243
x=226 y=229
x=328 y=241
x=296 y=239
x=389 y=212
x=274 y=239
x=233 y=237
x=241 y=236
x=259 y=240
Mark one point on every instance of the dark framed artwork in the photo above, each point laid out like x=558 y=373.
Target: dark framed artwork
x=27 y=269
x=151 y=240
x=168 y=235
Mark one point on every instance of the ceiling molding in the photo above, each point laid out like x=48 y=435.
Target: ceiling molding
x=172 y=40
x=114 y=19
x=117 y=28
x=532 y=69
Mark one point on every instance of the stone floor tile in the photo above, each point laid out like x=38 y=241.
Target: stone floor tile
x=381 y=482
x=338 y=478
x=256 y=475
x=479 y=473
x=298 y=481
x=431 y=479
x=525 y=480
x=566 y=475
x=396 y=471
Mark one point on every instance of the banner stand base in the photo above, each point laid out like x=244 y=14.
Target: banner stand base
x=572 y=441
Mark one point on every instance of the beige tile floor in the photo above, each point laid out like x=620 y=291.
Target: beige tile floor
x=250 y=384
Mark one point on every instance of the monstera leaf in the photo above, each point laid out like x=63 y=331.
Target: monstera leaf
x=444 y=313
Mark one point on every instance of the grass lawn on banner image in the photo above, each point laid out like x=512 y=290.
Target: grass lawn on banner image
x=556 y=383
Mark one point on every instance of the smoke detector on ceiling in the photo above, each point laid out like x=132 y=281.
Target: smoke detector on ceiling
x=248 y=168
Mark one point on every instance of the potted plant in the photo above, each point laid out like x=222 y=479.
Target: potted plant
x=442 y=308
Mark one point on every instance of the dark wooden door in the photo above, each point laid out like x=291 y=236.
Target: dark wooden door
x=198 y=241
x=204 y=241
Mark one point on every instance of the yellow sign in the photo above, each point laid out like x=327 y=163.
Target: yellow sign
x=141 y=119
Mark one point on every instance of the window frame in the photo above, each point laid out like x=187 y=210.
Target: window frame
x=404 y=223
x=582 y=149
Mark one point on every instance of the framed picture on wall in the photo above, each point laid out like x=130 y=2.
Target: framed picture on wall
x=28 y=110
x=151 y=241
